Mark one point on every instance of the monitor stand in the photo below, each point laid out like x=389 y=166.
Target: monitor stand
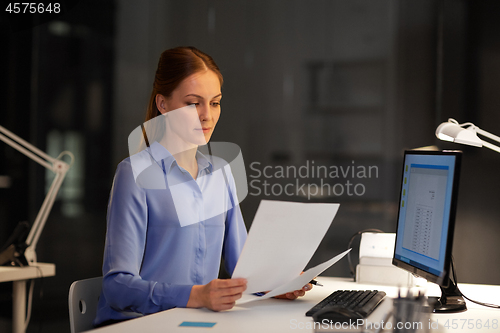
x=451 y=300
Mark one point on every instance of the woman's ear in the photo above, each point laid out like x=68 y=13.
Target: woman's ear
x=161 y=103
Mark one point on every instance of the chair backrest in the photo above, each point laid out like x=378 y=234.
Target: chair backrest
x=82 y=301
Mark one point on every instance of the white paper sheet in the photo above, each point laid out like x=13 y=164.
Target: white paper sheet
x=297 y=283
x=281 y=241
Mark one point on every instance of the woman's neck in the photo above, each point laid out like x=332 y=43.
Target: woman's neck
x=183 y=152
x=187 y=159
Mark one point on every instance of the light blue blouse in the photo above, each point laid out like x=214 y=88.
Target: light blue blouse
x=152 y=256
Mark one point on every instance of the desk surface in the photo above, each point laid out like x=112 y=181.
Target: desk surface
x=273 y=315
x=12 y=273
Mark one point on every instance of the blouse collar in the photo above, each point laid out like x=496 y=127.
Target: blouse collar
x=159 y=153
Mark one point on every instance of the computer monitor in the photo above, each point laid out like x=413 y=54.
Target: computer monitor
x=426 y=221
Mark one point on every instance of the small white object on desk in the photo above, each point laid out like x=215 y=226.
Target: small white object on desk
x=375 y=261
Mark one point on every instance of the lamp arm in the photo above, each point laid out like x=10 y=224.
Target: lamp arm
x=25 y=151
x=482 y=132
x=487 y=134
x=491 y=146
x=43 y=214
x=56 y=165
x=29 y=150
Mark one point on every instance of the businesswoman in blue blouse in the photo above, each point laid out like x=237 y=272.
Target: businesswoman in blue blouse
x=152 y=261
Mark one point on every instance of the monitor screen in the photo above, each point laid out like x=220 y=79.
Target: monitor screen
x=426 y=218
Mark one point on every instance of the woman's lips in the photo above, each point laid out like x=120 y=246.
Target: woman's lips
x=204 y=129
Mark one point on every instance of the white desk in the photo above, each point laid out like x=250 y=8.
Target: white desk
x=19 y=276
x=273 y=315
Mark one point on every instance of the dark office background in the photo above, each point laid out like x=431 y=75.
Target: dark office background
x=326 y=81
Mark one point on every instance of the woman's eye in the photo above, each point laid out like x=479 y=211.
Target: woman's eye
x=215 y=103
x=192 y=103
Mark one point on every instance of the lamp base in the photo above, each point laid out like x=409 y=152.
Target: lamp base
x=12 y=253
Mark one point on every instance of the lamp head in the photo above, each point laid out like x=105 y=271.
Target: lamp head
x=453 y=132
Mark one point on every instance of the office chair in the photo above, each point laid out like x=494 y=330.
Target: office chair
x=82 y=301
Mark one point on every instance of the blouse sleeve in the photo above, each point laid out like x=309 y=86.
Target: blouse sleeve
x=235 y=231
x=123 y=287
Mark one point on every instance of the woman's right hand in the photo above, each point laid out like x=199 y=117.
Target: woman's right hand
x=217 y=295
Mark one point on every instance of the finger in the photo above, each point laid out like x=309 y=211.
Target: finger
x=227 y=306
x=307 y=287
x=225 y=302
x=223 y=306
x=233 y=290
x=299 y=293
x=229 y=283
x=230 y=298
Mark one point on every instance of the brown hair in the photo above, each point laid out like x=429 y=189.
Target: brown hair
x=174 y=66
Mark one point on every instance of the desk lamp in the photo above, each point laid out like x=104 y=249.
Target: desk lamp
x=56 y=165
x=465 y=134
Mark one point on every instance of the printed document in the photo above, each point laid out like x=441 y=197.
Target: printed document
x=281 y=241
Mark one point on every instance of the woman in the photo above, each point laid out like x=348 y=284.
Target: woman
x=154 y=260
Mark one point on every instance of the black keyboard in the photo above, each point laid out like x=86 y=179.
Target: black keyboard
x=362 y=302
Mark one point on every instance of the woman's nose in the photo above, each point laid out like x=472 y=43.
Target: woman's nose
x=204 y=112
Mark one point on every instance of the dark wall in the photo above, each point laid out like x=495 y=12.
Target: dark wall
x=57 y=93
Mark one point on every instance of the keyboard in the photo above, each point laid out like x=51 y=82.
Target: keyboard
x=361 y=302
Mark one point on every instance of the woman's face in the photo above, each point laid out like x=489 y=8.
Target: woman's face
x=201 y=90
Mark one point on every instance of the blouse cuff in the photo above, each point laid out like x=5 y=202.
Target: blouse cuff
x=168 y=296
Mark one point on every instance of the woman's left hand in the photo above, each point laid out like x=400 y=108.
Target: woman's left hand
x=297 y=293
